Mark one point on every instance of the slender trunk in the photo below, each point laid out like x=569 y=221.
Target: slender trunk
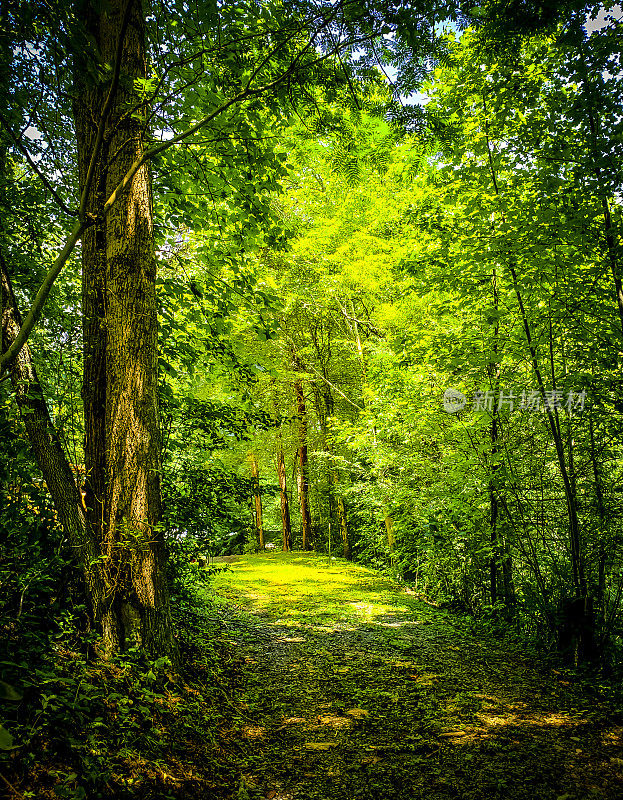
x=389 y=529
x=42 y=435
x=493 y=561
x=341 y=512
x=122 y=435
x=325 y=459
x=285 y=506
x=610 y=232
x=577 y=556
x=601 y=512
x=45 y=442
x=499 y=549
x=354 y=329
x=303 y=475
x=612 y=251
x=576 y=614
x=257 y=500
x=337 y=506
x=577 y=562
x=494 y=375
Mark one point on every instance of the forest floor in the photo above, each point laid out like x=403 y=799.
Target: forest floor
x=353 y=689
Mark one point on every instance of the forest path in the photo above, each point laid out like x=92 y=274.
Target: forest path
x=355 y=690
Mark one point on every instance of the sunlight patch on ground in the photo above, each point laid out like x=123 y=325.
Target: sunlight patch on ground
x=490 y=725
x=293 y=586
x=253 y=732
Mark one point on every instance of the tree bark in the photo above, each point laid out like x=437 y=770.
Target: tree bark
x=341 y=512
x=122 y=436
x=494 y=376
x=44 y=440
x=303 y=476
x=389 y=528
x=257 y=500
x=42 y=435
x=337 y=506
x=285 y=506
x=500 y=562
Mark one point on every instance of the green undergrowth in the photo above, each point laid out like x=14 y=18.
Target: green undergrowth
x=128 y=728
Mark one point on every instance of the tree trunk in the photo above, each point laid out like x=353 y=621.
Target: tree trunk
x=44 y=440
x=122 y=436
x=326 y=469
x=341 y=512
x=42 y=435
x=601 y=511
x=257 y=500
x=494 y=376
x=579 y=608
x=303 y=476
x=500 y=563
x=580 y=585
x=285 y=506
x=337 y=506
x=389 y=528
x=610 y=231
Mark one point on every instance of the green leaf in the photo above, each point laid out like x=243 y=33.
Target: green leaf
x=6 y=740
x=8 y=692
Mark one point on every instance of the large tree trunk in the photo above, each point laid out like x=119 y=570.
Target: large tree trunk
x=285 y=506
x=122 y=437
x=257 y=500
x=303 y=476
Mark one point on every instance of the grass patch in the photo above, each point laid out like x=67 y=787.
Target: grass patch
x=295 y=587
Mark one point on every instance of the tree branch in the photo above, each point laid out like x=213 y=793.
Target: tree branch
x=24 y=151
x=82 y=224
x=42 y=295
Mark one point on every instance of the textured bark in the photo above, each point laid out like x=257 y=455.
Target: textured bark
x=44 y=440
x=257 y=500
x=285 y=506
x=493 y=369
x=303 y=475
x=122 y=436
x=341 y=512
x=337 y=506
x=389 y=528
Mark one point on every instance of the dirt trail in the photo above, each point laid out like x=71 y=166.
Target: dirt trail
x=353 y=690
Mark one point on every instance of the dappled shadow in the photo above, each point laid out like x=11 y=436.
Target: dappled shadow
x=380 y=696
